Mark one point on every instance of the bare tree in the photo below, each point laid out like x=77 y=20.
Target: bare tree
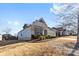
x=7 y=30
x=69 y=14
x=68 y=17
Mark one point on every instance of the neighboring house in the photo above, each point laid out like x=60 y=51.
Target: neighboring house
x=60 y=31
x=70 y=32
x=38 y=27
x=51 y=32
x=8 y=37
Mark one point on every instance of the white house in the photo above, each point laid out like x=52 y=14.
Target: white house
x=51 y=32
x=36 y=28
x=25 y=34
x=60 y=31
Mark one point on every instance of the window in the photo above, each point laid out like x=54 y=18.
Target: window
x=21 y=34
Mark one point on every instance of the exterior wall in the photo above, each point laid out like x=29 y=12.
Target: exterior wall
x=25 y=34
x=32 y=32
x=61 y=33
x=38 y=30
x=40 y=25
x=0 y=37
x=51 y=32
x=67 y=32
x=43 y=25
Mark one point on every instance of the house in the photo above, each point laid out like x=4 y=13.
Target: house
x=51 y=32
x=8 y=37
x=38 y=27
x=70 y=32
x=60 y=31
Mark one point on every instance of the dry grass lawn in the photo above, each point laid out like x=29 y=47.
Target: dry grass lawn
x=71 y=37
x=47 y=48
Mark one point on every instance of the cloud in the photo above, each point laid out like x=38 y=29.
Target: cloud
x=16 y=23
x=9 y=22
x=13 y=22
x=56 y=11
x=51 y=10
x=58 y=8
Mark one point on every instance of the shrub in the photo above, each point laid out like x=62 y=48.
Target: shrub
x=38 y=36
x=47 y=36
x=32 y=36
x=35 y=36
x=41 y=37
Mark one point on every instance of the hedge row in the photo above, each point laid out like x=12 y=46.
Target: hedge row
x=41 y=37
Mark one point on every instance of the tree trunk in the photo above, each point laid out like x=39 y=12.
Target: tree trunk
x=78 y=30
x=77 y=44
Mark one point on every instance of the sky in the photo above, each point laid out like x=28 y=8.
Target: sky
x=14 y=16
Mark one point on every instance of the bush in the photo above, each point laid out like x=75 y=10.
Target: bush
x=47 y=36
x=35 y=36
x=41 y=37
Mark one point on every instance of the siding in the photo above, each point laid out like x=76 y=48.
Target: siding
x=51 y=32
x=25 y=34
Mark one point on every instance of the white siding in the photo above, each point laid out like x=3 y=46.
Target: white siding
x=25 y=34
x=51 y=32
x=32 y=32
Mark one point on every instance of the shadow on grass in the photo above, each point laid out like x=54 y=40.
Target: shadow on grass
x=72 y=45
x=76 y=47
x=8 y=42
x=69 y=45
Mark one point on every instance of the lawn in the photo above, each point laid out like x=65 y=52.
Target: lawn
x=51 y=47
x=71 y=37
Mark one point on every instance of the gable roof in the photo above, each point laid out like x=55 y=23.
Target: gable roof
x=41 y=20
x=52 y=29
x=59 y=28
